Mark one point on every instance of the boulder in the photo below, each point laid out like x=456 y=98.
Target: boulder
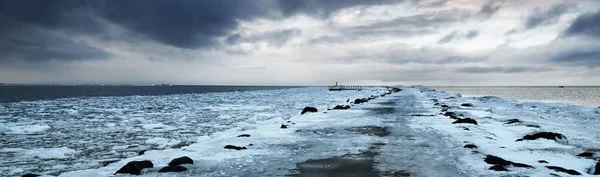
x=465 y=121
x=30 y=175
x=359 y=101
x=234 y=147
x=283 y=126
x=142 y=152
x=466 y=105
x=586 y=154
x=512 y=121
x=470 y=146
x=308 y=109
x=564 y=170
x=172 y=168
x=546 y=135
x=542 y=161
x=444 y=106
x=135 y=167
x=494 y=160
x=181 y=160
x=245 y=135
x=341 y=107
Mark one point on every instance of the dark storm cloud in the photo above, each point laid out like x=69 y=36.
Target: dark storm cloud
x=187 y=24
x=579 y=57
x=25 y=42
x=587 y=24
x=489 y=8
x=500 y=69
x=452 y=36
x=324 y=8
x=32 y=45
x=540 y=17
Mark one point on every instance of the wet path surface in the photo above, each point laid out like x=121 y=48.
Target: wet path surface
x=399 y=151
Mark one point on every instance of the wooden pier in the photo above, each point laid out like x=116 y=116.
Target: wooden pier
x=337 y=87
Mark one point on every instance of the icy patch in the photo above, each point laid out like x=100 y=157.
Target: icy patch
x=162 y=142
x=23 y=129
x=158 y=127
x=41 y=153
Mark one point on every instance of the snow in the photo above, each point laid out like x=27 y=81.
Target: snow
x=162 y=142
x=41 y=153
x=23 y=129
x=493 y=136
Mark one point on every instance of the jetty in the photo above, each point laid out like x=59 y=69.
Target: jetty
x=337 y=87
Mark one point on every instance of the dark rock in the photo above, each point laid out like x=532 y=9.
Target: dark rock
x=470 y=146
x=533 y=126
x=396 y=89
x=542 y=161
x=348 y=100
x=135 y=167
x=421 y=115
x=561 y=169
x=283 y=126
x=235 y=147
x=142 y=152
x=465 y=121
x=341 y=107
x=444 y=109
x=494 y=160
x=597 y=171
x=450 y=114
x=444 y=106
x=308 y=109
x=466 y=105
x=436 y=104
x=361 y=100
x=498 y=168
x=172 y=168
x=30 y=175
x=512 y=121
x=181 y=160
x=546 y=135
x=465 y=128
x=586 y=154
x=244 y=135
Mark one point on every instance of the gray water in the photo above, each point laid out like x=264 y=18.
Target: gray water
x=582 y=95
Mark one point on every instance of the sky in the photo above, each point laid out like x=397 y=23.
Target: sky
x=301 y=42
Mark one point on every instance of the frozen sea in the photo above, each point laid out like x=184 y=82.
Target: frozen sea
x=401 y=134
x=582 y=95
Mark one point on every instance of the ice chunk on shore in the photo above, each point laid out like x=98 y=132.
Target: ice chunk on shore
x=23 y=129
x=42 y=153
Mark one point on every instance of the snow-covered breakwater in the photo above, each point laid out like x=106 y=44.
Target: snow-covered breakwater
x=515 y=138
x=406 y=133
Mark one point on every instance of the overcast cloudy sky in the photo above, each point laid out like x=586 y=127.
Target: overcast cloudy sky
x=301 y=42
